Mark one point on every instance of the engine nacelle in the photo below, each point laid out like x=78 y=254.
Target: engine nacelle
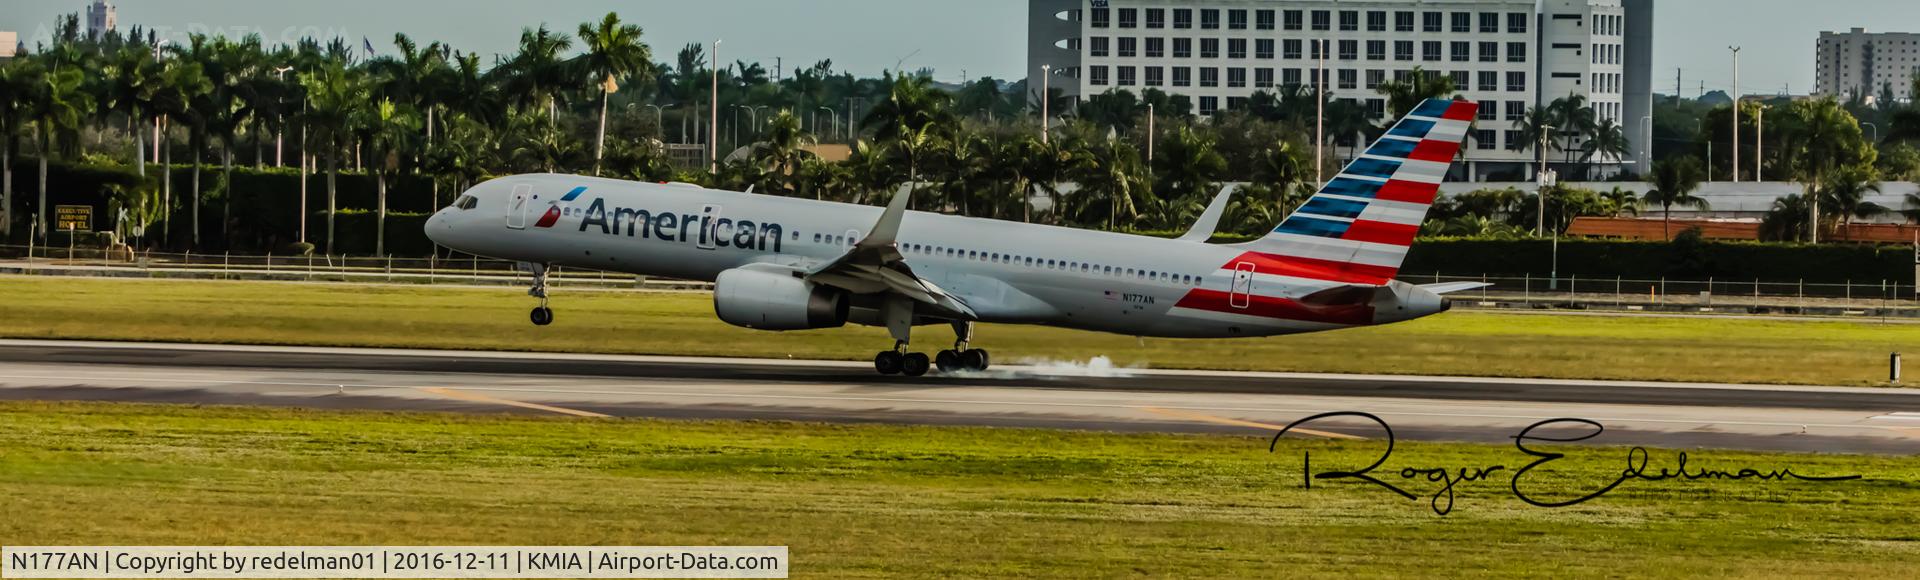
x=764 y=300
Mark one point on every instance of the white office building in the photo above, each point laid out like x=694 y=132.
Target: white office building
x=1860 y=63
x=9 y=44
x=1508 y=55
x=101 y=18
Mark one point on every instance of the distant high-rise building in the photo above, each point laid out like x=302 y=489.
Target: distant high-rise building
x=101 y=18
x=1861 y=63
x=9 y=44
x=1508 y=55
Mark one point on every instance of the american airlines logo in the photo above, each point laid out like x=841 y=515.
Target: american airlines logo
x=553 y=213
x=707 y=230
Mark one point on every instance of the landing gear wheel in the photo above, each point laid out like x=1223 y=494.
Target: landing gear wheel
x=914 y=365
x=947 y=361
x=975 y=360
x=888 y=362
x=542 y=316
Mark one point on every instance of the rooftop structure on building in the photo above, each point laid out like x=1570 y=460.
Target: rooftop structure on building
x=101 y=18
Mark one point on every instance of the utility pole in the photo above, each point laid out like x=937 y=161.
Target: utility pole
x=1676 y=86
x=1542 y=178
x=713 y=145
x=1046 y=102
x=1320 y=115
x=1150 y=136
x=1759 y=144
x=1736 y=113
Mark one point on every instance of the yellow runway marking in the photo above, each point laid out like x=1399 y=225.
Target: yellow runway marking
x=465 y=396
x=1239 y=423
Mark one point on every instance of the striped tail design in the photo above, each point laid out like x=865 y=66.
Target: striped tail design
x=1357 y=229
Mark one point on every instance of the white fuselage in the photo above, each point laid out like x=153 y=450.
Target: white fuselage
x=1006 y=272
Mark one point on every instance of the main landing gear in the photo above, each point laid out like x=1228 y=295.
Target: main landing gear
x=960 y=358
x=542 y=315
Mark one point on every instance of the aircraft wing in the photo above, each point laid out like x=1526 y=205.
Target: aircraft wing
x=875 y=266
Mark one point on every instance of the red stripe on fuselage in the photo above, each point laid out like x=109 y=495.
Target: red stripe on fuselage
x=1277 y=308
x=1315 y=269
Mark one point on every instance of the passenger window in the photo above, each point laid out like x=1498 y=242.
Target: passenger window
x=816 y=238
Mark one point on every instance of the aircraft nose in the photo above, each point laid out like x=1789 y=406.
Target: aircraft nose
x=439 y=227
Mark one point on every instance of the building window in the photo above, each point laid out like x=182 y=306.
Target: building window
x=1349 y=20
x=1182 y=76
x=1292 y=19
x=1375 y=78
x=1517 y=22
x=1349 y=79
x=1126 y=76
x=1129 y=47
x=1483 y=140
x=1209 y=48
x=1290 y=49
x=1183 y=48
x=1322 y=20
x=1097 y=76
x=1156 y=48
x=1156 y=18
x=1516 y=52
x=1209 y=77
x=1156 y=76
x=1102 y=17
x=1234 y=104
x=1237 y=19
x=1317 y=49
x=1461 y=51
x=1210 y=19
x=1349 y=50
x=1098 y=46
x=1430 y=51
x=1209 y=106
x=1489 y=22
x=1183 y=18
x=1403 y=50
x=1237 y=78
x=1263 y=78
x=1463 y=22
x=1460 y=80
x=1516 y=111
x=1264 y=20
x=1377 y=21
x=1237 y=48
x=1376 y=108
x=1489 y=81
x=1290 y=77
x=1517 y=82
x=1489 y=52
x=1403 y=21
x=1515 y=137
x=1489 y=111
x=1263 y=48
x=1129 y=18
x=1376 y=50
x=1433 y=21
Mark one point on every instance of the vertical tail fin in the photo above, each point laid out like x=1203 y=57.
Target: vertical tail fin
x=1356 y=229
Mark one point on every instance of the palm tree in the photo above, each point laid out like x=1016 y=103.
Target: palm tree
x=392 y=129
x=1573 y=119
x=1829 y=139
x=1607 y=141
x=912 y=105
x=1674 y=181
x=1535 y=130
x=240 y=64
x=56 y=101
x=15 y=78
x=335 y=97
x=1404 y=96
x=1188 y=165
x=132 y=77
x=783 y=148
x=1845 y=194
x=536 y=75
x=182 y=84
x=614 y=50
x=1110 y=174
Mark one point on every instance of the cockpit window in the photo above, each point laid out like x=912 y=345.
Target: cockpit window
x=466 y=202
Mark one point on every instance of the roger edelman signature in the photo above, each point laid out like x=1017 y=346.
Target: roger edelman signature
x=1441 y=501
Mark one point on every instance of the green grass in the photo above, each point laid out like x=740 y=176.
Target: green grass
x=866 y=501
x=1479 y=344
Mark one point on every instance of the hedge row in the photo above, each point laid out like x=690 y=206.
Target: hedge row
x=1686 y=259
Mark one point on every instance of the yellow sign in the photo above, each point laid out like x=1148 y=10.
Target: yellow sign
x=73 y=217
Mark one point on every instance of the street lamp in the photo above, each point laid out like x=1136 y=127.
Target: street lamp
x=1150 y=136
x=659 y=120
x=280 y=137
x=1542 y=178
x=1046 y=101
x=1736 y=113
x=1646 y=127
x=836 y=120
x=1876 y=131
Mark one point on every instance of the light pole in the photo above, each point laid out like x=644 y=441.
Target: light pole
x=836 y=120
x=1736 y=113
x=736 y=124
x=1541 y=226
x=1646 y=127
x=1876 y=132
x=1759 y=143
x=659 y=120
x=754 y=119
x=1150 y=136
x=1320 y=114
x=280 y=137
x=713 y=143
x=1046 y=101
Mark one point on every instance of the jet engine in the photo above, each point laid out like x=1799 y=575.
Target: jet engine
x=772 y=300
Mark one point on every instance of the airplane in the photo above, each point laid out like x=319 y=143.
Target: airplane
x=786 y=264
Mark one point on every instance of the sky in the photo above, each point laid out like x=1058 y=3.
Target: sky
x=967 y=37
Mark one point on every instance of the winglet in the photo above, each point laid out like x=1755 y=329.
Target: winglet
x=1209 y=222
x=887 y=229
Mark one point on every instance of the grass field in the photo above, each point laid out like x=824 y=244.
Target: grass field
x=864 y=501
x=1479 y=344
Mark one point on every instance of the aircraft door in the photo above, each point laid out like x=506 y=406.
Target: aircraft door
x=1242 y=296
x=518 y=206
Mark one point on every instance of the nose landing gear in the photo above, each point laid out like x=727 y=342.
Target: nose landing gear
x=542 y=315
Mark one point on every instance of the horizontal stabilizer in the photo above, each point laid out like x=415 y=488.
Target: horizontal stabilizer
x=1453 y=287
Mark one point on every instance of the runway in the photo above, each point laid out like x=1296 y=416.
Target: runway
x=1073 y=396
